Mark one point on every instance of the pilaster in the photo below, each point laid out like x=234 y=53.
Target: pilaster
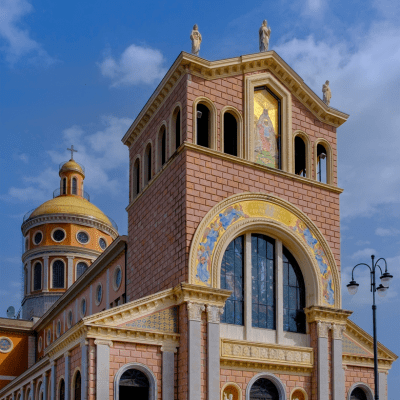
x=29 y=283
x=323 y=366
x=84 y=370
x=103 y=369
x=45 y=385
x=67 y=378
x=168 y=369
x=337 y=362
x=382 y=379
x=53 y=381
x=45 y=273
x=108 y=290
x=70 y=270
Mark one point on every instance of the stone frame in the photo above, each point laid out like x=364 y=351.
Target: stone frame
x=308 y=155
x=274 y=379
x=133 y=195
x=72 y=391
x=267 y=79
x=367 y=390
x=232 y=384
x=239 y=119
x=146 y=181
x=158 y=147
x=329 y=162
x=299 y=389
x=143 y=368
x=171 y=143
x=33 y=265
x=212 y=134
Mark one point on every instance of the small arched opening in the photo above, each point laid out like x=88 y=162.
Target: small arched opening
x=147 y=164
x=77 y=386
x=203 y=125
x=74 y=186
x=64 y=186
x=322 y=163
x=300 y=163
x=37 y=276
x=176 y=128
x=230 y=134
x=162 y=148
x=58 y=274
x=136 y=178
x=61 y=390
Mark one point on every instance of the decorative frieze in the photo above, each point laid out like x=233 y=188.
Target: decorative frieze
x=194 y=311
x=214 y=314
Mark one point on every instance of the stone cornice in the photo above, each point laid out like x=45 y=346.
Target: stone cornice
x=327 y=314
x=59 y=251
x=187 y=292
x=360 y=361
x=188 y=63
x=15 y=325
x=71 y=219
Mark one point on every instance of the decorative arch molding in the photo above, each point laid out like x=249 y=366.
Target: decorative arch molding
x=72 y=392
x=275 y=217
x=144 y=171
x=298 y=389
x=138 y=159
x=172 y=140
x=274 y=379
x=367 y=390
x=239 y=119
x=140 y=367
x=158 y=147
x=235 y=385
x=329 y=163
x=213 y=120
x=308 y=154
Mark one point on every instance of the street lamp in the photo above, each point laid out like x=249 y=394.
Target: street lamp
x=381 y=289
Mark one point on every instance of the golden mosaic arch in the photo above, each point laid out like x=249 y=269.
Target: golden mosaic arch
x=270 y=215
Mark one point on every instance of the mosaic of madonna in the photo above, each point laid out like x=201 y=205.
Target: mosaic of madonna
x=255 y=208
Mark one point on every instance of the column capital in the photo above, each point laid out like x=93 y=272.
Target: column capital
x=108 y=343
x=84 y=342
x=214 y=313
x=323 y=329
x=70 y=257
x=67 y=354
x=338 y=331
x=45 y=257
x=194 y=311
x=170 y=347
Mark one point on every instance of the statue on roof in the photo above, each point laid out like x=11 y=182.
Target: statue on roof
x=326 y=93
x=264 y=33
x=196 y=39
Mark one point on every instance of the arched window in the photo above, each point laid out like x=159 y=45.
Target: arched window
x=299 y=156
x=136 y=178
x=61 y=390
x=147 y=164
x=74 y=186
x=26 y=280
x=294 y=319
x=203 y=125
x=81 y=267
x=77 y=386
x=134 y=384
x=322 y=159
x=230 y=134
x=263 y=281
x=176 y=128
x=37 y=276
x=264 y=389
x=358 y=394
x=58 y=274
x=64 y=186
x=232 y=271
x=162 y=148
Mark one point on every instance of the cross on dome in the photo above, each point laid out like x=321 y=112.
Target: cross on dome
x=72 y=150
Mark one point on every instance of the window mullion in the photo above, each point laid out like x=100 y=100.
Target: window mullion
x=279 y=291
x=247 y=285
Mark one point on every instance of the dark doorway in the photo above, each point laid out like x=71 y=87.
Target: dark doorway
x=299 y=156
x=78 y=384
x=358 y=394
x=134 y=385
x=264 y=389
x=230 y=134
x=203 y=125
x=62 y=390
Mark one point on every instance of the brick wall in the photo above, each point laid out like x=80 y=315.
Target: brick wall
x=355 y=374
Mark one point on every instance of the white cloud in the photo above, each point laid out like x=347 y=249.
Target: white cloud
x=363 y=255
x=136 y=65
x=387 y=231
x=19 y=42
x=362 y=242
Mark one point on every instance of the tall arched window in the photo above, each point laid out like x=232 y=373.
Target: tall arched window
x=77 y=386
x=264 y=389
x=64 y=186
x=299 y=156
x=203 y=125
x=162 y=148
x=81 y=267
x=322 y=158
x=37 y=276
x=176 y=128
x=147 y=164
x=26 y=280
x=58 y=274
x=263 y=281
x=134 y=384
x=230 y=134
x=232 y=272
x=61 y=390
x=294 y=319
x=74 y=186
x=136 y=178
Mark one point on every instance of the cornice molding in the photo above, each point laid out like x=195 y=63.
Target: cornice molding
x=71 y=219
x=266 y=61
x=326 y=314
x=59 y=250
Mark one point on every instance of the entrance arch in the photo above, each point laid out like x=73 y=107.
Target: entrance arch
x=265 y=386
x=360 y=391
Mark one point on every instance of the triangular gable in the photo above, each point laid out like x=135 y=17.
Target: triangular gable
x=350 y=346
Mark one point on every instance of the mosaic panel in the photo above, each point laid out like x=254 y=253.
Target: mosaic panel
x=164 y=320
x=352 y=348
x=5 y=345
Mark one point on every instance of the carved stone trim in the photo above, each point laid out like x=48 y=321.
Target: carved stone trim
x=338 y=331
x=194 y=311
x=323 y=329
x=108 y=343
x=214 y=314
x=169 y=346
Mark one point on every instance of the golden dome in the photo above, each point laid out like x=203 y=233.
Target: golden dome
x=72 y=165
x=74 y=205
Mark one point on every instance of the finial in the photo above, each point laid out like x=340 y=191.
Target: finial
x=264 y=34
x=326 y=93
x=196 y=39
x=72 y=150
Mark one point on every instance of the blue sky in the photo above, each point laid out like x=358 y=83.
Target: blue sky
x=79 y=72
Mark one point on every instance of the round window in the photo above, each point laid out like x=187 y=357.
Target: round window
x=58 y=330
x=58 y=235
x=82 y=237
x=38 y=237
x=70 y=317
x=102 y=243
x=83 y=307
x=40 y=344
x=99 y=294
x=117 y=278
x=6 y=345
x=48 y=336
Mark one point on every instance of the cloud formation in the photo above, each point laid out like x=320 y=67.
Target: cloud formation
x=387 y=231
x=18 y=40
x=136 y=65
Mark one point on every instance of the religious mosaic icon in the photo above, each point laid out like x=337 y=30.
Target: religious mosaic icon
x=5 y=345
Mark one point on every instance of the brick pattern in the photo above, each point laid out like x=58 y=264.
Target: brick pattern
x=355 y=374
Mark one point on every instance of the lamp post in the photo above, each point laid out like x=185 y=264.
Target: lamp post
x=381 y=289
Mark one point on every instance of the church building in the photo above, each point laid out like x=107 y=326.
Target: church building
x=227 y=285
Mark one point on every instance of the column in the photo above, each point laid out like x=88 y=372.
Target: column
x=45 y=273
x=382 y=379
x=213 y=352
x=45 y=385
x=108 y=290
x=337 y=363
x=91 y=300
x=194 y=346
x=31 y=351
x=28 y=284
x=279 y=290
x=70 y=270
x=67 y=378
x=247 y=284
x=167 y=371
x=84 y=369
x=53 y=381
x=32 y=390
x=323 y=366
x=103 y=369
